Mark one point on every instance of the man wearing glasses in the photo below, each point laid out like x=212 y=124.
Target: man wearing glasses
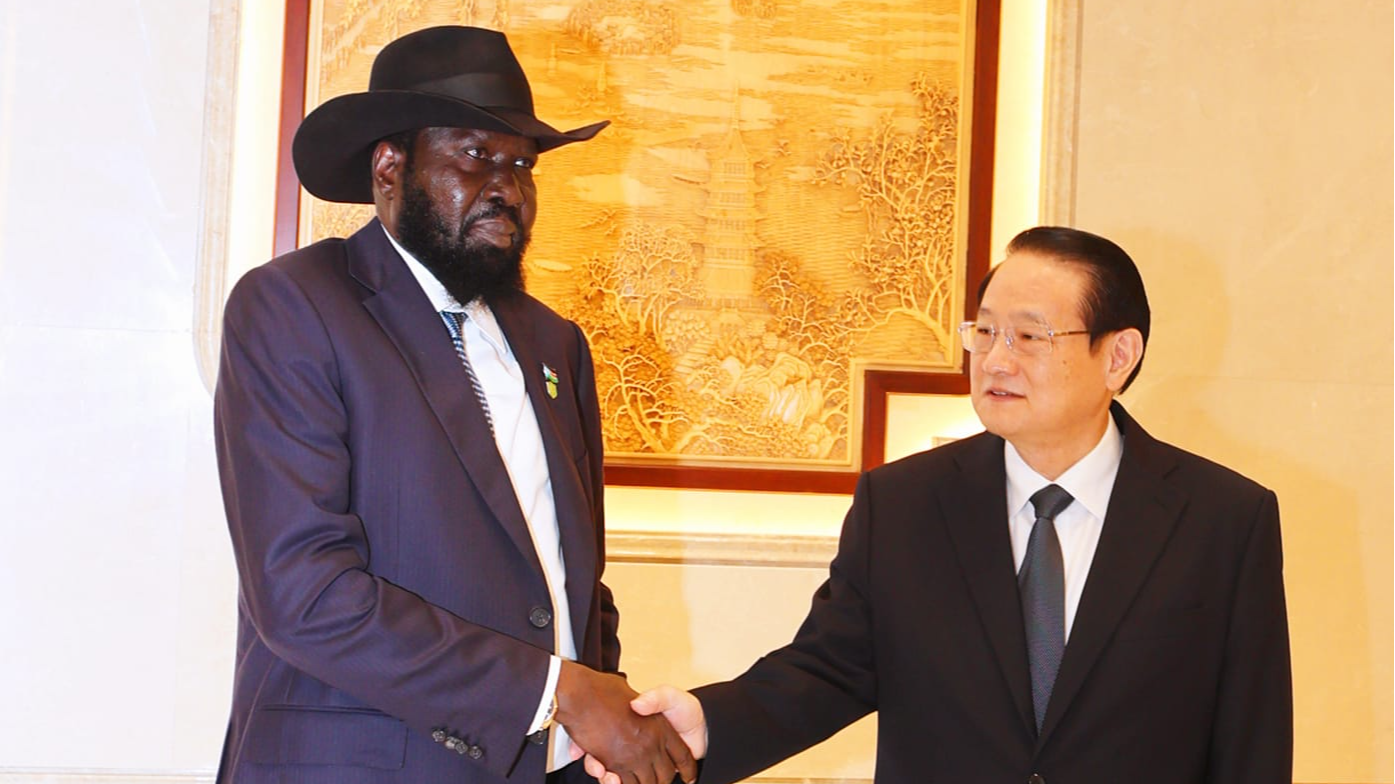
x=1061 y=599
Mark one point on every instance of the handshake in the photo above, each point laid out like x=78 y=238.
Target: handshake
x=627 y=737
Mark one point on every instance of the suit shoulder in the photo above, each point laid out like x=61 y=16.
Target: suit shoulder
x=542 y=313
x=299 y=265
x=1206 y=473
x=289 y=283
x=310 y=261
x=547 y=323
x=921 y=466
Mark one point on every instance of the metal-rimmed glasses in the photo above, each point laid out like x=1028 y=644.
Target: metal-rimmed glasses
x=1032 y=340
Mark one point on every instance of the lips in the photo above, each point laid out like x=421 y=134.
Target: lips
x=496 y=230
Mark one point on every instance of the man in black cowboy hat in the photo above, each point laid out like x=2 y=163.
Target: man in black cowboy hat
x=410 y=453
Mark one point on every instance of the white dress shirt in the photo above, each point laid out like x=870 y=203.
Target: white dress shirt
x=521 y=447
x=1090 y=482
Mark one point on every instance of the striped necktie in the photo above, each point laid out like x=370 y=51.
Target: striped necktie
x=455 y=325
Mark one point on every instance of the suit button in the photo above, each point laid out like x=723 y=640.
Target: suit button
x=438 y=735
x=540 y=617
x=538 y=738
x=475 y=752
x=1036 y=778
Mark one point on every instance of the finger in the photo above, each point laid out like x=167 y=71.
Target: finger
x=575 y=752
x=663 y=771
x=681 y=756
x=596 y=770
x=659 y=767
x=611 y=778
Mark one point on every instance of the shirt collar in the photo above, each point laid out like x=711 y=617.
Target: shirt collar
x=441 y=300
x=1090 y=481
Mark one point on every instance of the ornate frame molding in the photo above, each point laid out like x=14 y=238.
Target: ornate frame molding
x=220 y=105
x=720 y=549
x=1061 y=112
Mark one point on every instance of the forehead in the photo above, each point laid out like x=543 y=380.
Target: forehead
x=1033 y=286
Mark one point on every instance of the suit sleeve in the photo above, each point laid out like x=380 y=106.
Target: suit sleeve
x=589 y=405
x=1252 y=739
x=303 y=556
x=801 y=694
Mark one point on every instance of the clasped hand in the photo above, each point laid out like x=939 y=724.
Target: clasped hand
x=634 y=749
x=679 y=708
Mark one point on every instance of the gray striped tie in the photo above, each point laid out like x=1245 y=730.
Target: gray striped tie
x=455 y=325
x=1042 y=586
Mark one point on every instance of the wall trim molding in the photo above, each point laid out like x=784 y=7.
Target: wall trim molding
x=102 y=776
x=805 y=780
x=1061 y=112
x=215 y=211
x=113 y=776
x=721 y=549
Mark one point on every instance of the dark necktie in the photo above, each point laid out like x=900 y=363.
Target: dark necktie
x=455 y=325
x=1042 y=586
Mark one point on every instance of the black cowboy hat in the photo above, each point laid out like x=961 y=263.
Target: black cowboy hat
x=462 y=77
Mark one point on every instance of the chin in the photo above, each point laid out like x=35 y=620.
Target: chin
x=994 y=422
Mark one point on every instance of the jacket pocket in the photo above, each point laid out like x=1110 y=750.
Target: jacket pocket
x=301 y=735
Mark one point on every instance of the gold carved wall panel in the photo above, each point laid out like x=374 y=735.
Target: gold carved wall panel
x=781 y=205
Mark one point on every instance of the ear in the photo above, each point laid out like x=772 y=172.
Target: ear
x=388 y=163
x=1125 y=349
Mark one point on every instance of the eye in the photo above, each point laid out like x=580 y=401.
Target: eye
x=983 y=329
x=1032 y=334
x=525 y=163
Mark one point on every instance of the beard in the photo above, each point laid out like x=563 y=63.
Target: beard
x=468 y=269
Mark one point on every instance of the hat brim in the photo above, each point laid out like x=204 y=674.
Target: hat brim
x=333 y=147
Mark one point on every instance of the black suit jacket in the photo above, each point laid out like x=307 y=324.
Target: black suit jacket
x=389 y=586
x=1176 y=670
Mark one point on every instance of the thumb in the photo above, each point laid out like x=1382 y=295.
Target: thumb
x=656 y=700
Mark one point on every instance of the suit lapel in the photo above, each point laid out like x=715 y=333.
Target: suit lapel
x=574 y=522
x=974 y=508
x=1143 y=509
x=405 y=314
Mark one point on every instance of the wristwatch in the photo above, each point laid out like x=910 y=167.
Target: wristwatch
x=550 y=717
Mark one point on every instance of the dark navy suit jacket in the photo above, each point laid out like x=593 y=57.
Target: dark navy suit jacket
x=389 y=586
x=1176 y=671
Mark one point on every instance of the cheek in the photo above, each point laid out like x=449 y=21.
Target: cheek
x=528 y=211
x=447 y=194
x=976 y=374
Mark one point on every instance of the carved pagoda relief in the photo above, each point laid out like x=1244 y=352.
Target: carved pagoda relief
x=777 y=206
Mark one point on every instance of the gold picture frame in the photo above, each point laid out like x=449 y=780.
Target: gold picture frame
x=782 y=225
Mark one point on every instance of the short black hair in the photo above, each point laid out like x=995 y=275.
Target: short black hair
x=1114 y=299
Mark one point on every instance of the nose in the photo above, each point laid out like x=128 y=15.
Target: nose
x=504 y=184
x=999 y=358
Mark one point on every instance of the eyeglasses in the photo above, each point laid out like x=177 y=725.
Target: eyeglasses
x=1030 y=341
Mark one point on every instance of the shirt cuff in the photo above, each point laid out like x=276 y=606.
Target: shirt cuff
x=554 y=668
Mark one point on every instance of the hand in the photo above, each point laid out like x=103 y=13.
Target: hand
x=595 y=709
x=684 y=714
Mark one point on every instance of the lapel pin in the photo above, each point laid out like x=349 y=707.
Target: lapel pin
x=550 y=378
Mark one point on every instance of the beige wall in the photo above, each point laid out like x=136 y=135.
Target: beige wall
x=1241 y=151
